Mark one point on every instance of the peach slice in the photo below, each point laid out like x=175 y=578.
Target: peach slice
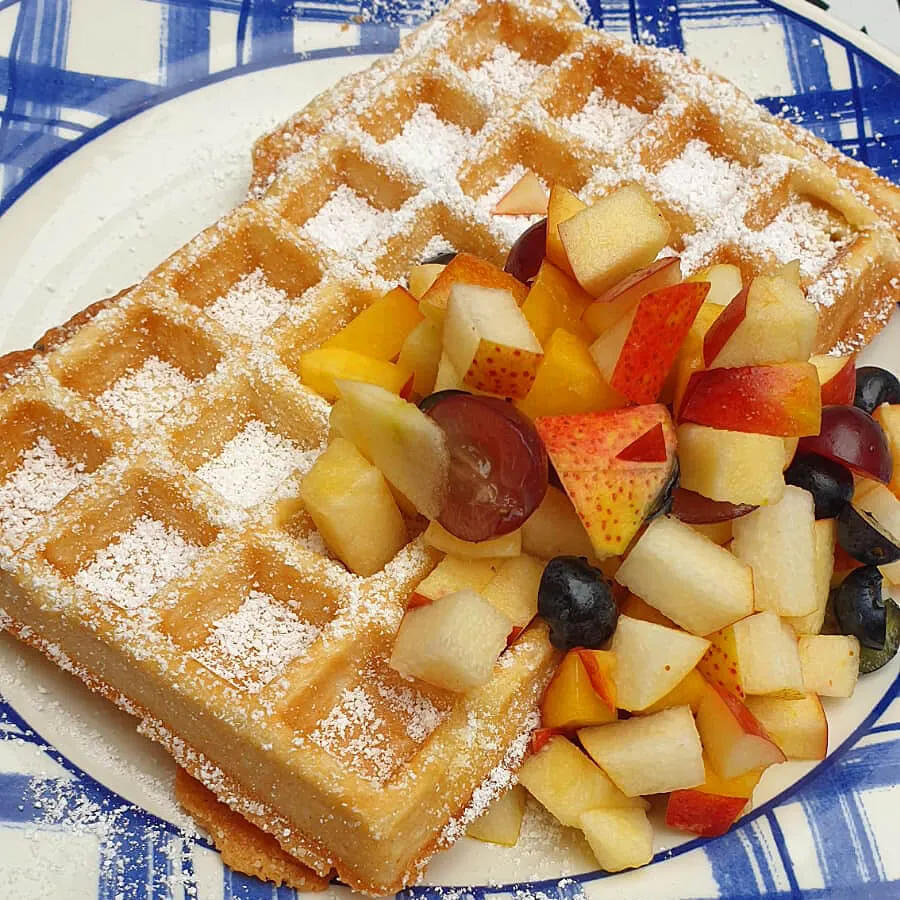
x=421 y=355
x=526 y=197
x=837 y=375
x=562 y=205
x=380 y=330
x=571 y=701
x=555 y=301
x=688 y=692
x=601 y=666
x=725 y=282
x=783 y=399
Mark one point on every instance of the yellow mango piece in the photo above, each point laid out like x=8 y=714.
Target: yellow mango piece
x=380 y=330
x=562 y=205
x=555 y=301
x=570 y=700
x=568 y=381
x=421 y=355
x=320 y=368
x=688 y=692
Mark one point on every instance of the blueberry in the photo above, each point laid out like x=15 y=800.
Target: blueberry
x=865 y=538
x=440 y=259
x=830 y=483
x=860 y=608
x=870 y=660
x=576 y=601
x=875 y=386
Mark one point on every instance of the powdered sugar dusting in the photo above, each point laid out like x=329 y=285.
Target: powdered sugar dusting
x=253 y=646
x=603 y=123
x=133 y=568
x=142 y=395
x=428 y=146
x=420 y=716
x=42 y=479
x=251 y=465
x=504 y=73
x=251 y=305
x=345 y=222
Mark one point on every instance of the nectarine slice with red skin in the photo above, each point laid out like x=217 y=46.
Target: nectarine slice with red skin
x=540 y=737
x=724 y=327
x=837 y=375
x=649 y=447
x=661 y=273
x=526 y=197
x=416 y=600
x=601 y=668
x=706 y=815
x=783 y=400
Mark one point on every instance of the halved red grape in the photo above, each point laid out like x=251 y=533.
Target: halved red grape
x=695 y=509
x=527 y=253
x=498 y=466
x=852 y=437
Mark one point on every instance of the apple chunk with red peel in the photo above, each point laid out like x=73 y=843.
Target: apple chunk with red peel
x=490 y=342
x=452 y=643
x=619 y=234
x=783 y=400
x=648 y=754
x=651 y=660
x=636 y=354
x=563 y=780
x=687 y=577
x=701 y=813
x=837 y=375
x=526 y=197
x=725 y=281
x=772 y=323
x=619 y=838
x=733 y=739
x=798 y=727
x=612 y=496
x=778 y=542
x=571 y=700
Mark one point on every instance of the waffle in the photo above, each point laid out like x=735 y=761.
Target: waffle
x=152 y=539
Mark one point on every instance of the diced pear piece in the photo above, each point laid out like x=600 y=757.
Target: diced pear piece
x=380 y=330
x=505 y=545
x=830 y=664
x=453 y=573
x=619 y=838
x=768 y=658
x=778 y=542
x=421 y=355
x=826 y=536
x=353 y=509
x=731 y=465
x=648 y=754
x=619 y=234
x=697 y=584
x=554 y=529
x=490 y=342
x=446 y=378
x=514 y=589
x=798 y=727
x=452 y=643
x=408 y=446
x=502 y=821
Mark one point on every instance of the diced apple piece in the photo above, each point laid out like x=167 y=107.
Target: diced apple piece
x=514 y=589
x=799 y=727
x=885 y=507
x=503 y=546
x=697 y=584
x=619 y=838
x=408 y=446
x=651 y=661
x=452 y=643
x=489 y=341
x=570 y=700
x=613 y=496
x=352 y=507
x=837 y=375
x=467 y=269
x=826 y=535
x=778 y=542
x=563 y=780
x=648 y=754
x=554 y=529
x=619 y=234
x=726 y=323
x=757 y=655
x=731 y=465
x=453 y=573
x=321 y=369
x=526 y=197
x=555 y=301
x=690 y=354
x=888 y=417
x=380 y=330
x=421 y=355
x=567 y=381
x=783 y=399
x=725 y=282
x=734 y=741
x=446 y=378
x=636 y=354
x=562 y=205
x=830 y=664
x=423 y=277
x=779 y=325
x=502 y=821
x=688 y=692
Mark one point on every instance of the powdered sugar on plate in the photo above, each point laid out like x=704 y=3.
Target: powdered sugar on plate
x=252 y=465
x=251 y=305
x=603 y=123
x=130 y=570
x=346 y=221
x=142 y=395
x=42 y=479
x=252 y=646
x=428 y=146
